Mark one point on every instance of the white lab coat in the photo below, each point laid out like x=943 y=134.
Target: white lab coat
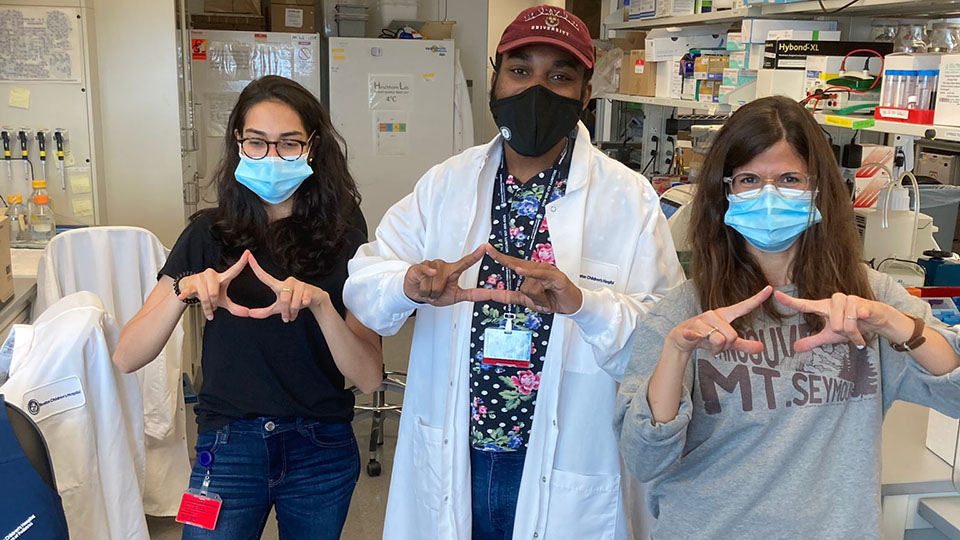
x=611 y=238
x=120 y=265
x=90 y=414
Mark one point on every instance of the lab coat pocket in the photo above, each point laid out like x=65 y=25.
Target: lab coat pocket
x=595 y=275
x=426 y=459
x=583 y=506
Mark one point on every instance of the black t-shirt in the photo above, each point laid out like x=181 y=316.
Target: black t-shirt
x=254 y=367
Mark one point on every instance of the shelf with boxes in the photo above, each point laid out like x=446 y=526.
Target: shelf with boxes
x=805 y=8
x=707 y=108
x=926 y=131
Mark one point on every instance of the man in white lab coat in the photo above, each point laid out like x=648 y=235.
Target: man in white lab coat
x=506 y=427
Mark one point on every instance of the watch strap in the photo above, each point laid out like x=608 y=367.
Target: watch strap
x=916 y=339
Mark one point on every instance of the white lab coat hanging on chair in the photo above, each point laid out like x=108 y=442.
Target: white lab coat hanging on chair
x=610 y=237
x=120 y=265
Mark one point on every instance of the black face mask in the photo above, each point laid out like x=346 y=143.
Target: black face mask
x=535 y=120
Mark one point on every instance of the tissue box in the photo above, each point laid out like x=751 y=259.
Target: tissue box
x=736 y=78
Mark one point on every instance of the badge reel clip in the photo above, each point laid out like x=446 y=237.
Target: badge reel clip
x=200 y=507
x=507 y=346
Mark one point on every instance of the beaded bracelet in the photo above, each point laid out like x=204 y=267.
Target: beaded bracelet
x=176 y=289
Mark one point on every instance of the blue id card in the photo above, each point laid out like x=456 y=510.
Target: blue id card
x=507 y=346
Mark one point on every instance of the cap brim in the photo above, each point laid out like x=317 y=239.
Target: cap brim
x=546 y=40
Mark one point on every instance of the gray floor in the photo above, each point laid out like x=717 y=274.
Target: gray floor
x=365 y=520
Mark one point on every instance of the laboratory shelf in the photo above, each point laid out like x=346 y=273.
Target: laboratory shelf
x=728 y=15
x=806 y=9
x=940 y=133
x=708 y=108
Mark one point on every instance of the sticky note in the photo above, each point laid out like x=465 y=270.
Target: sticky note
x=19 y=98
x=428 y=76
x=68 y=158
x=339 y=58
x=82 y=207
x=80 y=184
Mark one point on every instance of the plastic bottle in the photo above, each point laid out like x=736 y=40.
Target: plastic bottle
x=17 y=212
x=42 y=224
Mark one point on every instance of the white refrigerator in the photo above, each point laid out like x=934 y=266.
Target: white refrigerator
x=223 y=63
x=393 y=103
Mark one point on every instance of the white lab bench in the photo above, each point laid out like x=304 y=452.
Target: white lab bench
x=17 y=309
x=910 y=472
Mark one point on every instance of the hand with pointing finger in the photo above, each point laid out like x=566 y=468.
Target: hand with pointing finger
x=711 y=331
x=847 y=318
x=210 y=287
x=435 y=282
x=545 y=288
x=293 y=295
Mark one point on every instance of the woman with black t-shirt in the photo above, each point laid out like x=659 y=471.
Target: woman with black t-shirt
x=268 y=266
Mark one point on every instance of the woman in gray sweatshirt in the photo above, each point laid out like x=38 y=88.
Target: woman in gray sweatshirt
x=756 y=392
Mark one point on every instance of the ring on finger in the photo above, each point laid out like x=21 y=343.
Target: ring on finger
x=850 y=317
x=286 y=289
x=715 y=329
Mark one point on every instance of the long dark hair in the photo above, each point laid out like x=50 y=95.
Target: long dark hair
x=829 y=256
x=325 y=206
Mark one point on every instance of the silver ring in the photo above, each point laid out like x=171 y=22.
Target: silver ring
x=715 y=329
x=850 y=317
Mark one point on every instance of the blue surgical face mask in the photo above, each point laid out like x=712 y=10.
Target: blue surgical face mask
x=273 y=179
x=770 y=221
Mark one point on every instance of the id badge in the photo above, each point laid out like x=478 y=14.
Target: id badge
x=507 y=346
x=199 y=510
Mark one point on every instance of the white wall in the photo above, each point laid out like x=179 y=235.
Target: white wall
x=500 y=14
x=470 y=33
x=140 y=122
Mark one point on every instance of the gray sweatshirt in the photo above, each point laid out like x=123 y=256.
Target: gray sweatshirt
x=774 y=445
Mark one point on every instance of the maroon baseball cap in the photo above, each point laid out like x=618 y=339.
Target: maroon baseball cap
x=549 y=25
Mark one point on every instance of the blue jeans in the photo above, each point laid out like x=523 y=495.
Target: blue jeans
x=307 y=469
x=496 y=485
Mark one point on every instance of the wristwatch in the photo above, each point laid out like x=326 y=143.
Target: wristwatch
x=176 y=289
x=915 y=340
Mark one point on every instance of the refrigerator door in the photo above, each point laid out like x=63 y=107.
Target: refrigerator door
x=223 y=63
x=392 y=101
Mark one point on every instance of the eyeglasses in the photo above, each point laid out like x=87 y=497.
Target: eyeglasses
x=790 y=185
x=287 y=149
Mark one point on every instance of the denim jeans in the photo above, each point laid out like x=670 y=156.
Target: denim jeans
x=306 y=469
x=496 y=485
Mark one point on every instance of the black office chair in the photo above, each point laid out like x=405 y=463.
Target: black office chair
x=32 y=443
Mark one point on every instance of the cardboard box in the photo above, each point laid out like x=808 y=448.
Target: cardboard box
x=673 y=8
x=641 y=9
x=666 y=43
x=947 y=112
x=6 y=265
x=804 y=35
x=246 y=7
x=709 y=67
x=791 y=54
x=735 y=42
x=940 y=167
x=227 y=21
x=708 y=91
x=739 y=60
x=755 y=30
x=437 y=29
x=669 y=80
x=781 y=82
x=637 y=76
x=287 y=18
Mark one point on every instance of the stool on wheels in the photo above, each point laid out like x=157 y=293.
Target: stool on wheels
x=378 y=410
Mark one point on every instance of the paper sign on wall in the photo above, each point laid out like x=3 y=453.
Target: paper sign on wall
x=391 y=92
x=391 y=133
x=19 y=98
x=40 y=44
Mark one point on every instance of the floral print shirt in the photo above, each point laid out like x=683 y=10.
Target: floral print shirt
x=503 y=398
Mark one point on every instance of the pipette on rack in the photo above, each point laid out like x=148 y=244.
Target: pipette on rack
x=58 y=137
x=25 y=155
x=42 y=145
x=5 y=137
